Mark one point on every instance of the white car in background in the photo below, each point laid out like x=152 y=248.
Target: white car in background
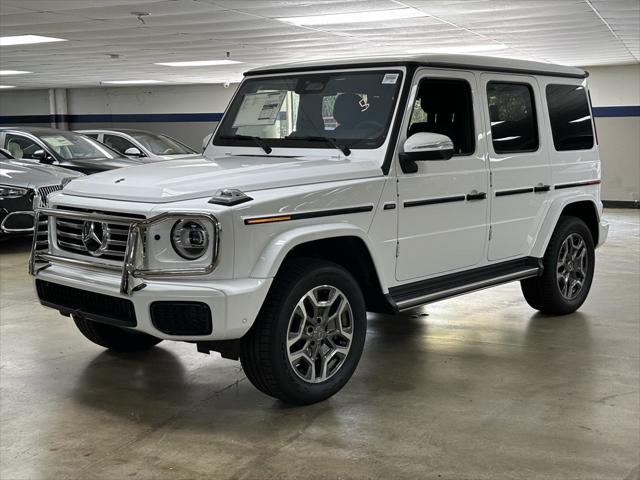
x=142 y=144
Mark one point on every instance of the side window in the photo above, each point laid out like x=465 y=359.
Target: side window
x=570 y=117
x=445 y=107
x=92 y=135
x=513 y=117
x=117 y=143
x=19 y=146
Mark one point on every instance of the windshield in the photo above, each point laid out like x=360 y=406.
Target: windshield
x=352 y=108
x=70 y=146
x=161 y=144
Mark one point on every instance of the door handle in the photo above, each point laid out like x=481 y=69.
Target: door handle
x=541 y=188
x=475 y=195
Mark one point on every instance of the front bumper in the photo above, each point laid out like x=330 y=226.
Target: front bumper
x=234 y=304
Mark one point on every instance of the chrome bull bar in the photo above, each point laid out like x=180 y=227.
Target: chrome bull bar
x=131 y=271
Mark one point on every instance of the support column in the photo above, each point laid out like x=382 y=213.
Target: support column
x=58 y=108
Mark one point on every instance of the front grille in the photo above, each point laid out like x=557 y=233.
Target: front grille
x=181 y=318
x=94 y=306
x=44 y=192
x=109 y=241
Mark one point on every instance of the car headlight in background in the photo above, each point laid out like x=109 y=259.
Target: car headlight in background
x=189 y=238
x=7 y=191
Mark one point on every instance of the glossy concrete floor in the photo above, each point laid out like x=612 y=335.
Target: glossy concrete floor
x=479 y=387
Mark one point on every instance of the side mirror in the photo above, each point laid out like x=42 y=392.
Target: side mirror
x=422 y=147
x=133 y=152
x=42 y=156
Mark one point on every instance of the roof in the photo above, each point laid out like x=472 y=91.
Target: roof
x=34 y=130
x=116 y=130
x=472 y=62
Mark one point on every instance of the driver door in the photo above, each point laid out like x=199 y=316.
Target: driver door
x=444 y=207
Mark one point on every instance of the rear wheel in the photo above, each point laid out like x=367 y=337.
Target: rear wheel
x=115 y=338
x=568 y=270
x=309 y=336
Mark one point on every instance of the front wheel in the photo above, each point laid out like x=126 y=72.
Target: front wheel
x=568 y=267
x=309 y=335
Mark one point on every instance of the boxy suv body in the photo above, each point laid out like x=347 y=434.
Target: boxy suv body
x=329 y=190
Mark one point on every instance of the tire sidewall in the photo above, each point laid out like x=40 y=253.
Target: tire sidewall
x=294 y=386
x=569 y=226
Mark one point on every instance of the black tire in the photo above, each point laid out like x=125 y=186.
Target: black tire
x=544 y=292
x=263 y=350
x=115 y=338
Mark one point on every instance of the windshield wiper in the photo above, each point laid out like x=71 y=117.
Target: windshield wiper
x=257 y=140
x=330 y=141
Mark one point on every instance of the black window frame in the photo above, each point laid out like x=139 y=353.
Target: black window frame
x=589 y=112
x=473 y=122
x=534 y=112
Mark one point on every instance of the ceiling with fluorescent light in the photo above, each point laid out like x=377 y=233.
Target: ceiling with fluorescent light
x=106 y=42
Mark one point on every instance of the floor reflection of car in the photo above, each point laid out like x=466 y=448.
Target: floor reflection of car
x=64 y=149
x=142 y=144
x=23 y=185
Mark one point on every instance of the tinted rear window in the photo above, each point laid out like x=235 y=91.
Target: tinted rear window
x=571 y=124
x=513 y=117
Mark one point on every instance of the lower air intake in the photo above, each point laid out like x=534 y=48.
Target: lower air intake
x=181 y=318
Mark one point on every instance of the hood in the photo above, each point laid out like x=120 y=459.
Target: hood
x=32 y=174
x=92 y=165
x=176 y=180
x=178 y=156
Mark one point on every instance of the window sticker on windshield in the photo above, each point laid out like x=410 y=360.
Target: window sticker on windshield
x=57 y=141
x=259 y=109
x=391 y=78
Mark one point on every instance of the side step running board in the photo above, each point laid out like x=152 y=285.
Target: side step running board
x=446 y=286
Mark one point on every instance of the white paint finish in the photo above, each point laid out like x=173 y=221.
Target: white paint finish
x=565 y=32
x=514 y=218
x=447 y=236
x=442 y=240
x=231 y=301
x=614 y=85
x=176 y=180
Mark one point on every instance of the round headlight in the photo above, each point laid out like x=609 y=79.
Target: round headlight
x=189 y=238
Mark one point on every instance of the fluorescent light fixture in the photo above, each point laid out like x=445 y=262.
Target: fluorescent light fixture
x=13 y=72
x=130 y=82
x=27 y=39
x=7 y=86
x=198 y=63
x=490 y=47
x=356 y=17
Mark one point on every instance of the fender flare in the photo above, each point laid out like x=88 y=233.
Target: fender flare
x=275 y=252
x=553 y=215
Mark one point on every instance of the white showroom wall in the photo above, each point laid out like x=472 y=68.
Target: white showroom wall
x=190 y=112
x=618 y=129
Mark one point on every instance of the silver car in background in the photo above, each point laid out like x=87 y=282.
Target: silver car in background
x=142 y=144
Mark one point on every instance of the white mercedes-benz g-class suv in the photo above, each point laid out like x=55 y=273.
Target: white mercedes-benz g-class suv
x=329 y=190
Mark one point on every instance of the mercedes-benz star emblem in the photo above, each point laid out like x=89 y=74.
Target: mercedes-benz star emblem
x=95 y=237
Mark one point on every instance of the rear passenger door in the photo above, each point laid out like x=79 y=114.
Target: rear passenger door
x=518 y=161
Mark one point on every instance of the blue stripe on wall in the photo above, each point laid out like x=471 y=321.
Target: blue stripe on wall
x=623 y=111
x=628 y=111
